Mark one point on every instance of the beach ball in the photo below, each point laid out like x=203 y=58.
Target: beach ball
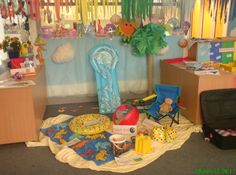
x=158 y=134
x=126 y=114
x=115 y=19
x=183 y=42
x=170 y=134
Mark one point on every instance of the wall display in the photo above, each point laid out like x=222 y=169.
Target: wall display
x=215 y=54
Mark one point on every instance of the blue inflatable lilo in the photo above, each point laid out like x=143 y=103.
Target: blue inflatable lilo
x=104 y=58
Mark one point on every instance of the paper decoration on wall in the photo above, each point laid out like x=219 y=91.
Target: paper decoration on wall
x=227 y=52
x=148 y=39
x=131 y=9
x=63 y=54
x=203 y=52
x=222 y=52
x=215 y=55
x=221 y=6
x=110 y=29
x=126 y=29
x=87 y=11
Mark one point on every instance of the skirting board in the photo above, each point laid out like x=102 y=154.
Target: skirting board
x=91 y=98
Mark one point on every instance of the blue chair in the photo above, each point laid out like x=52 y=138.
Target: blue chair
x=165 y=91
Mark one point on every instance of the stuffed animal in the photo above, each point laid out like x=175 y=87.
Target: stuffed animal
x=165 y=107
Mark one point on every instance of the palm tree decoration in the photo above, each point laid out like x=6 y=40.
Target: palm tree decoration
x=136 y=8
x=148 y=40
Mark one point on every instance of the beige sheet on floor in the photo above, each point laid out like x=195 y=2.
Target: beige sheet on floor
x=67 y=155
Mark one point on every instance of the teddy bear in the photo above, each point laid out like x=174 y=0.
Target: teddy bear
x=165 y=107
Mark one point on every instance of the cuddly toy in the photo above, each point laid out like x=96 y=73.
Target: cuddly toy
x=165 y=107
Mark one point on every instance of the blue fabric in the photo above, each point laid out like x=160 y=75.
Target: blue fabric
x=104 y=59
x=164 y=91
x=61 y=133
x=95 y=148
x=79 y=71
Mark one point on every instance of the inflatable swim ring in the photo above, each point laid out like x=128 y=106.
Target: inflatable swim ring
x=89 y=124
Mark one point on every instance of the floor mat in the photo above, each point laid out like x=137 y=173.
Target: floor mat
x=66 y=154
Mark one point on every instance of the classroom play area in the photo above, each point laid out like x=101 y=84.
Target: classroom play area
x=117 y=86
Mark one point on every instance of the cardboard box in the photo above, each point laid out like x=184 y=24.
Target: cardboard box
x=24 y=71
x=125 y=129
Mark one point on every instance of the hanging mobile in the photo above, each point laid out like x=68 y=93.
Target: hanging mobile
x=67 y=6
x=4 y=13
x=9 y=11
x=49 y=16
x=31 y=9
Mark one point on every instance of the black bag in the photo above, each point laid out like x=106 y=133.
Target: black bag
x=218 y=109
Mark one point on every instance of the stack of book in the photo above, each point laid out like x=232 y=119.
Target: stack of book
x=207 y=72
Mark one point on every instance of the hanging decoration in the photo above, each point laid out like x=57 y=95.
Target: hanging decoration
x=86 y=11
x=9 y=11
x=232 y=10
x=37 y=11
x=148 y=40
x=31 y=9
x=185 y=27
x=40 y=43
x=126 y=29
x=131 y=9
x=219 y=5
x=57 y=9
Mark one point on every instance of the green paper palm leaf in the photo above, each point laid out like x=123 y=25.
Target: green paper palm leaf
x=148 y=40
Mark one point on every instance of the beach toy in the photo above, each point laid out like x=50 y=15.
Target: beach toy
x=170 y=134
x=143 y=144
x=104 y=59
x=126 y=114
x=88 y=124
x=158 y=134
x=119 y=144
